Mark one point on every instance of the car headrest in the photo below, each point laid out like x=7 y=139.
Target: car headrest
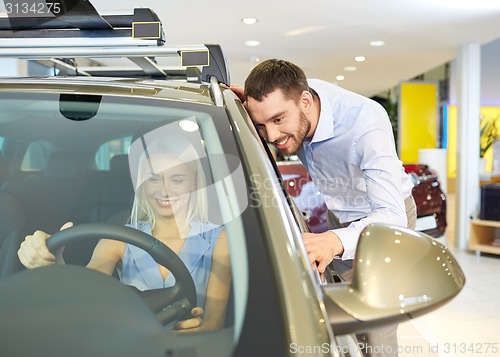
x=118 y=166
x=63 y=165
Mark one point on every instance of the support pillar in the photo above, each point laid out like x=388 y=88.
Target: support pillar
x=468 y=104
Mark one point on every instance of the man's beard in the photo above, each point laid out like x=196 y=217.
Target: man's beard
x=298 y=138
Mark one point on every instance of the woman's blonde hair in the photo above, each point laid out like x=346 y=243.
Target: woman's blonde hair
x=183 y=150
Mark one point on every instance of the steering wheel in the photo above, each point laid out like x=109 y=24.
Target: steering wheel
x=169 y=304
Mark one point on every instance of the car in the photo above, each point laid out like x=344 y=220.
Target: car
x=427 y=193
x=429 y=198
x=69 y=147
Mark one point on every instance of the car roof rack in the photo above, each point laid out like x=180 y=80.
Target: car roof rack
x=76 y=30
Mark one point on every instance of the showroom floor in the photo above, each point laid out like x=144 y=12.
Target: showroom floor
x=469 y=325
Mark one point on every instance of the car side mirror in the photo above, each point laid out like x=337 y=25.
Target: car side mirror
x=398 y=274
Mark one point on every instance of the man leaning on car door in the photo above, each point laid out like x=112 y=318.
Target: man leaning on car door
x=346 y=143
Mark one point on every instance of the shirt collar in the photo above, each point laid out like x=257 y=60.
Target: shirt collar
x=324 y=129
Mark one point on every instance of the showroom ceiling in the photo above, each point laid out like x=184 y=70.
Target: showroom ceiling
x=324 y=36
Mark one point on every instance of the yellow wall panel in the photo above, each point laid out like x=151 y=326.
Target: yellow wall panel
x=452 y=140
x=418 y=110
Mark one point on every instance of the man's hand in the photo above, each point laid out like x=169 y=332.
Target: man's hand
x=192 y=323
x=239 y=91
x=322 y=247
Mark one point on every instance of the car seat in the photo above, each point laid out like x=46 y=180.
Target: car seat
x=61 y=194
x=117 y=191
x=11 y=234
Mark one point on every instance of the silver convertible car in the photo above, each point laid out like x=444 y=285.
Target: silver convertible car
x=106 y=153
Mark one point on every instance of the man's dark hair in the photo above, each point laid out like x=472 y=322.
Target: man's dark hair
x=273 y=74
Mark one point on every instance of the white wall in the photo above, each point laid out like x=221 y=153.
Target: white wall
x=490 y=75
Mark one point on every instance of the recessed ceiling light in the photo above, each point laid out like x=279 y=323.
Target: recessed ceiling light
x=252 y=43
x=340 y=77
x=377 y=43
x=255 y=59
x=249 y=20
x=359 y=58
x=350 y=68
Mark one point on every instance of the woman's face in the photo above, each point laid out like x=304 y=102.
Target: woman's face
x=168 y=187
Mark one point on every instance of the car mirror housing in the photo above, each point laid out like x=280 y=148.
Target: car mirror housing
x=398 y=274
x=79 y=106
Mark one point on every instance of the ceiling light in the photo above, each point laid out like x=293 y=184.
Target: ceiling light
x=252 y=43
x=255 y=59
x=377 y=43
x=350 y=68
x=340 y=77
x=359 y=58
x=249 y=20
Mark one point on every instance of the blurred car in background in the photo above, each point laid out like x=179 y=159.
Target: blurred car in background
x=429 y=198
x=304 y=193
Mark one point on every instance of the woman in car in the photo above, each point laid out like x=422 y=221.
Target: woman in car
x=170 y=204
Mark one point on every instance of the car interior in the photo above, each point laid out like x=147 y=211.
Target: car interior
x=57 y=170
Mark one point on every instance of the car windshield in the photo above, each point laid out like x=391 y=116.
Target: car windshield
x=169 y=168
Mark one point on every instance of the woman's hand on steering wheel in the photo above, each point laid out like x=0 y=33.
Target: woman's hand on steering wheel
x=192 y=323
x=33 y=252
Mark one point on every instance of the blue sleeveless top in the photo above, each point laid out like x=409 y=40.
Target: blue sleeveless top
x=140 y=270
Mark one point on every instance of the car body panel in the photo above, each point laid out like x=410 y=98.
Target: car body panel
x=186 y=92
x=301 y=309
